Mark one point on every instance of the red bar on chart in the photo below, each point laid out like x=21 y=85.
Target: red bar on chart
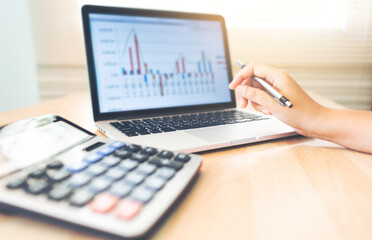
x=146 y=70
x=178 y=67
x=131 y=61
x=137 y=54
x=183 y=65
x=161 y=85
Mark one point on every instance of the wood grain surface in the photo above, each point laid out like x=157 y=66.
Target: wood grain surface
x=292 y=188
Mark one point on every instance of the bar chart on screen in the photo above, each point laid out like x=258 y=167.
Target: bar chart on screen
x=141 y=80
x=156 y=64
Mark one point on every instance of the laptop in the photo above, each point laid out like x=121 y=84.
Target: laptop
x=160 y=78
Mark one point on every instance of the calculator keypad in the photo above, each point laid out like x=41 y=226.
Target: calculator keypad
x=116 y=176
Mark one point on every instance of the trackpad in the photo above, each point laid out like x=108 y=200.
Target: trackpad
x=226 y=133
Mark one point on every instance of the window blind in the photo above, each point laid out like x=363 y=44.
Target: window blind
x=325 y=45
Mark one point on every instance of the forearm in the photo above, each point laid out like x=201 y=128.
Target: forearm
x=349 y=128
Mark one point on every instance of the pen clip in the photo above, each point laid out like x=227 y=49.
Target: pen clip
x=276 y=99
x=270 y=94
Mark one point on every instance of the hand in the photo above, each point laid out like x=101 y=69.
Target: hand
x=303 y=116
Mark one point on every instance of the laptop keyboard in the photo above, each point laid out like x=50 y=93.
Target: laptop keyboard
x=147 y=126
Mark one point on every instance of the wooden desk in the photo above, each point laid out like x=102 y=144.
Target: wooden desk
x=294 y=188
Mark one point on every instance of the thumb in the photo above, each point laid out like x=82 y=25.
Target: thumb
x=258 y=96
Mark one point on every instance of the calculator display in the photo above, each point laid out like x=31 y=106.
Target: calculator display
x=29 y=141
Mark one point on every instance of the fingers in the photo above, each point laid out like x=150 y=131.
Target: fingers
x=260 y=108
x=258 y=96
x=241 y=76
x=260 y=70
x=243 y=102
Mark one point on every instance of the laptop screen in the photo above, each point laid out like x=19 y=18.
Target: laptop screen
x=146 y=62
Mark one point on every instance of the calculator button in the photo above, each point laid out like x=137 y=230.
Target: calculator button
x=58 y=175
x=165 y=154
x=120 y=189
x=38 y=173
x=99 y=185
x=182 y=157
x=154 y=183
x=128 y=209
x=134 y=179
x=79 y=180
x=122 y=153
x=133 y=148
x=106 y=150
x=149 y=151
x=81 y=197
x=18 y=183
x=167 y=163
x=110 y=161
x=103 y=203
x=55 y=165
x=37 y=186
x=117 y=144
x=96 y=169
x=173 y=164
x=142 y=194
x=165 y=173
x=157 y=161
x=115 y=174
x=128 y=164
x=60 y=192
x=92 y=158
x=77 y=166
x=139 y=157
x=146 y=169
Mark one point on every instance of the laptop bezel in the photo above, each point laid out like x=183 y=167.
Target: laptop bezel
x=98 y=116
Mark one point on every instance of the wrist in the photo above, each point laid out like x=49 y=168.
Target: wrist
x=320 y=125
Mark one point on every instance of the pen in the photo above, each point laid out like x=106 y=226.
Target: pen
x=282 y=100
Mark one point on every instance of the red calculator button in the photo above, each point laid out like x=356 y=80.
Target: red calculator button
x=128 y=209
x=103 y=203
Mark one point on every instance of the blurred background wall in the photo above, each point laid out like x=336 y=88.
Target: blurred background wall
x=326 y=45
x=18 y=81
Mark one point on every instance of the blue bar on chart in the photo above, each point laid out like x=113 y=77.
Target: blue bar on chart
x=199 y=68
x=210 y=66
x=124 y=72
x=204 y=65
x=145 y=78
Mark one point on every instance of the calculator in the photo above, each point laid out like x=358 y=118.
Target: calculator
x=52 y=167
